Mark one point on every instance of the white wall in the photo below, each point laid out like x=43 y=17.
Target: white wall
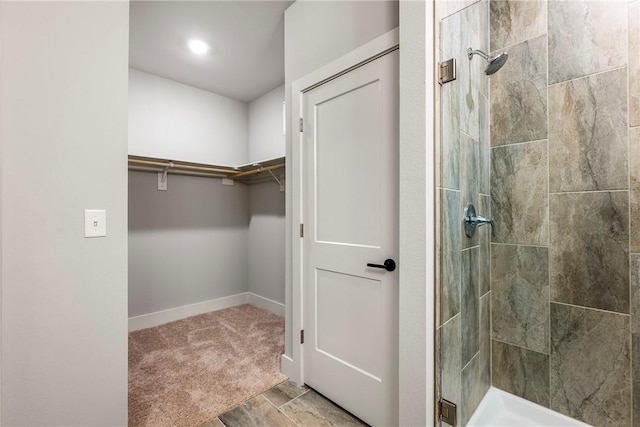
x=417 y=215
x=64 y=142
x=316 y=33
x=266 y=241
x=1 y=211
x=175 y=121
x=266 y=136
x=188 y=244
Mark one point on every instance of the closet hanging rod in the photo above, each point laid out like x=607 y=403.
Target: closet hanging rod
x=154 y=169
x=258 y=170
x=181 y=167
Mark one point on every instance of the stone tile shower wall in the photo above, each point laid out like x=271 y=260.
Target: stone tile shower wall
x=464 y=355
x=565 y=193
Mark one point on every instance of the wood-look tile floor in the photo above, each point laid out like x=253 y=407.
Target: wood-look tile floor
x=287 y=405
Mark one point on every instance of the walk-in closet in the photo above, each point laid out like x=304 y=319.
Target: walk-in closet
x=206 y=208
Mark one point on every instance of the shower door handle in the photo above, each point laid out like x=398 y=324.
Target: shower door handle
x=388 y=265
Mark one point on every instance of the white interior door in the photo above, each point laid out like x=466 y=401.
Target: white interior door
x=351 y=219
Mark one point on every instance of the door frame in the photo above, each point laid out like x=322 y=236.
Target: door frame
x=296 y=166
x=416 y=392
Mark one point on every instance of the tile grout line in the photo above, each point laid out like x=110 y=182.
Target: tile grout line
x=449 y=320
x=519 y=346
x=515 y=144
x=278 y=408
x=521 y=244
x=629 y=289
x=290 y=398
x=515 y=43
x=476 y=354
x=587 y=75
x=490 y=234
x=269 y=400
x=306 y=391
x=556 y=193
x=288 y=417
x=548 y=320
x=294 y=398
x=591 y=308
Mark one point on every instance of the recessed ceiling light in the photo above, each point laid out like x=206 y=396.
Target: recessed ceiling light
x=198 y=46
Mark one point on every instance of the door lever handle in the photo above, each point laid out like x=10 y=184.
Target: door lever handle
x=388 y=265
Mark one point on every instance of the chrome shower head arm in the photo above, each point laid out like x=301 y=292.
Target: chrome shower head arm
x=471 y=52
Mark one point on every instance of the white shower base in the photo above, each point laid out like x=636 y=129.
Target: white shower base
x=501 y=409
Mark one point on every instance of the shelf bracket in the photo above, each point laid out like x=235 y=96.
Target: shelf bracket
x=275 y=177
x=162 y=177
x=164 y=172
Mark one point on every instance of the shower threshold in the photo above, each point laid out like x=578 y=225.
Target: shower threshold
x=499 y=408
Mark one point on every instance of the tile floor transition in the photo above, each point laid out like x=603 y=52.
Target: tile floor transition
x=286 y=405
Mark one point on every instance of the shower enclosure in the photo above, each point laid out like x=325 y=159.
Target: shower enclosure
x=543 y=303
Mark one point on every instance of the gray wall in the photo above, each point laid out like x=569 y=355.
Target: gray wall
x=64 y=133
x=565 y=174
x=266 y=241
x=201 y=240
x=188 y=244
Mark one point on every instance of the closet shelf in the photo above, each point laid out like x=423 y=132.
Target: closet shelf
x=250 y=173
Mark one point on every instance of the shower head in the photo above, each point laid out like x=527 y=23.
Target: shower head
x=494 y=62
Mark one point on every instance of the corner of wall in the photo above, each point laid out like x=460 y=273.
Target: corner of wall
x=1 y=205
x=416 y=239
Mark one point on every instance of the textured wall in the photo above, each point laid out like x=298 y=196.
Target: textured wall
x=463 y=178
x=565 y=175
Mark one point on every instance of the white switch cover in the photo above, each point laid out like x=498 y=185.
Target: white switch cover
x=95 y=223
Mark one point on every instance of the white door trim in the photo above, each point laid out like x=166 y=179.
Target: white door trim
x=292 y=365
x=416 y=358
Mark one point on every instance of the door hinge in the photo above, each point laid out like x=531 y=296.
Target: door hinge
x=301 y=230
x=302 y=336
x=447 y=71
x=448 y=412
x=301 y=125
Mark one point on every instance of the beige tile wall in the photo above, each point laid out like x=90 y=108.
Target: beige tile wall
x=549 y=309
x=565 y=186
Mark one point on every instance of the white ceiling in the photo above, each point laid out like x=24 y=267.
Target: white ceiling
x=246 y=59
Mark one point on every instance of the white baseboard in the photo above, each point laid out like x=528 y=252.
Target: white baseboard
x=266 y=304
x=287 y=367
x=161 y=317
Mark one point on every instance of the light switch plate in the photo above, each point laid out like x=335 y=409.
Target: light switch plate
x=95 y=223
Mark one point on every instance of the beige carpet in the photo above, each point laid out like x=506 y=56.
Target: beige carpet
x=184 y=373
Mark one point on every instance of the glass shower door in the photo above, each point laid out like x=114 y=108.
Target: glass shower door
x=463 y=337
